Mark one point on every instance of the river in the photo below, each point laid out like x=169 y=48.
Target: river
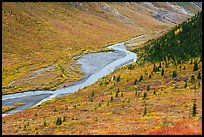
x=94 y=66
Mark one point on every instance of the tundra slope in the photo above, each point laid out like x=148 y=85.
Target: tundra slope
x=145 y=97
x=41 y=41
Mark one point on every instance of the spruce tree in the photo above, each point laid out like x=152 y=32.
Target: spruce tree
x=185 y=86
x=145 y=111
x=150 y=76
x=148 y=87
x=135 y=82
x=154 y=68
x=160 y=65
x=59 y=121
x=111 y=99
x=145 y=95
x=141 y=78
x=192 y=78
x=199 y=75
x=194 y=108
x=116 y=94
x=118 y=79
x=162 y=73
x=92 y=93
x=154 y=92
x=44 y=122
x=174 y=74
x=195 y=68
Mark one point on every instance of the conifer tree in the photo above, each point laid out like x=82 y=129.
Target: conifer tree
x=148 y=87
x=199 y=75
x=59 y=121
x=185 y=85
x=145 y=95
x=116 y=94
x=111 y=99
x=150 y=76
x=154 y=92
x=92 y=93
x=145 y=111
x=195 y=68
x=160 y=65
x=141 y=78
x=64 y=119
x=162 y=73
x=135 y=82
x=194 y=108
x=174 y=74
x=192 y=78
x=118 y=79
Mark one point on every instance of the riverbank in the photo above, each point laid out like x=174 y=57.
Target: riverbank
x=94 y=69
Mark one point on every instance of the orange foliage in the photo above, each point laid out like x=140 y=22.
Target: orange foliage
x=180 y=128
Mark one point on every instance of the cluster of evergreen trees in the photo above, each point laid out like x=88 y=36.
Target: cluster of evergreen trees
x=181 y=43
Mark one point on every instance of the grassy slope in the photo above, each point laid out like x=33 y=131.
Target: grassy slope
x=189 y=6
x=124 y=115
x=168 y=111
x=37 y=35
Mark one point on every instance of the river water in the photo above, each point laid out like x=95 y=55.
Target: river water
x=94 y=66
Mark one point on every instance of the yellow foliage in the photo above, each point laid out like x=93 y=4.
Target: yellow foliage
x=178 y=31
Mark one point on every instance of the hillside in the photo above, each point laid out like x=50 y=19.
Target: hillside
x=41 y=41
x=181 y=43
x=145 y=97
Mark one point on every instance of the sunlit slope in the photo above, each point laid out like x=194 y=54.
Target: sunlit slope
x=140 y=98
x=37 y=35
x=191 y=6
x=181 y=43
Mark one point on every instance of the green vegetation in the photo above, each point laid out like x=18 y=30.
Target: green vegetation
x=118 y=79
x=162 y=73
x=199 y=75
x=186 y=85
x=167 y=109
x=194 y=108
x=141 y=78
x=135 y=82
x=145 y=111
x=181 y=43
x=14 y=106
x=188 y=5
x=192 y=78
x=174 y=74
x=59 y=121
x=145 y=95
x=195 y=68
x=92 y=93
